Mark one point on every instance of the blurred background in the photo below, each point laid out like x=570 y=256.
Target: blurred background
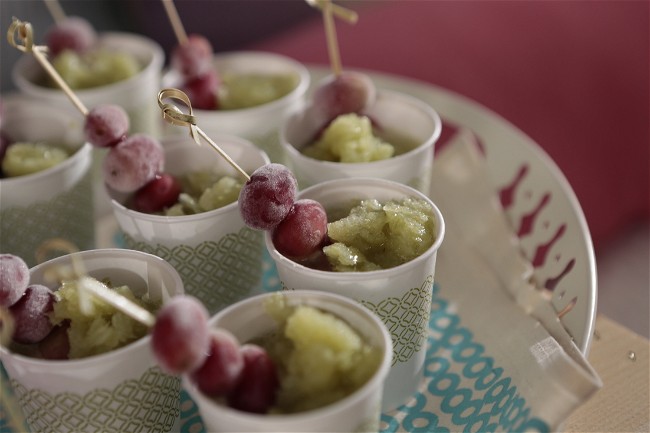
x=574 y=76
x=229 y=24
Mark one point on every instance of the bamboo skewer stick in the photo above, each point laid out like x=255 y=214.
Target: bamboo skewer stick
x=172 y=114
x=55 y=10
x=25 y=34
x=175 y=20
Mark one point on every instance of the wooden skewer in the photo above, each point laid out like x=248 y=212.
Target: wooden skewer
x=345 y=14
x=88 y=286
x=111 y=297
x=330 y=34
x=25 y=34
x=172 y=114
x=175 y=20
x=55 y=10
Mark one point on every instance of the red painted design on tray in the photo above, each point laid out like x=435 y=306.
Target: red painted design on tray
x=507 y=193
x=551 y=283
x=527 y=221
x=542 y=250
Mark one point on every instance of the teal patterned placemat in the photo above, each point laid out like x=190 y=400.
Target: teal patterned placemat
x=461 y=382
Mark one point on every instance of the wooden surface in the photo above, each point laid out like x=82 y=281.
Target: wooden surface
x=623 y=404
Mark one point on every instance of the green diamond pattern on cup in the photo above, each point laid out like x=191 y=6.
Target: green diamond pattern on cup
x=150 y=403
x=218 y=273
x=406 y=319
x=68 y=215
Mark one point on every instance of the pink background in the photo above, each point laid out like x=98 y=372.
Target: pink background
x=571 y=75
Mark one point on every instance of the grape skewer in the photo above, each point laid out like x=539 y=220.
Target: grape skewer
x=192 y=58
x=175 y=116
x=72 y=33
x=269 y=195
x=105 y=125
x=342 y=92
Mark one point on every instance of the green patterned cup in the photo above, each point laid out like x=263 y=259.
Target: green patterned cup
x=258 y=124
x=56 y=202
x=403 y=118
x=217 y=256
x=120 y=391
x=137 y=94
x=358 y=412
x=400 y=296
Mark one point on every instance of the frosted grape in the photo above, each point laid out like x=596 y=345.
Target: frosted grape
x=202 y=91
x=180 y=337
x=348 y=92
x=259 y=383
x=14 y=279
x=57 y=344
x=194 y=58
x=106 y=125
x=267 y=197
x=160 y=193
x=302 y=233
x=132 y=163
x=73 y=33
x=222 y=369
x=31 y=314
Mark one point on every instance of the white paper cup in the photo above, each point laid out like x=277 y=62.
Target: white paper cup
x=400 y=296
x=257 y=124
x=358 y=412
x=137 y=94
x=396 y=113
x=217 y=256
x=56 y=202
x=122 y=390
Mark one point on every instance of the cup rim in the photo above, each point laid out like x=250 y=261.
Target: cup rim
x=88 y=360
x=426 y=145
x=176 y=141
x=351 y=275
x=304 y=79
x=305 y=296
x=157 y=58
x=83 y=151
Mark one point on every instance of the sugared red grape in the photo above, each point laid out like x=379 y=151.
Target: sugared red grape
x=202 y=90
x=57 y=344
x=160 y=193
x=72 y=33
x=180 y=337
x=259 y=383
x=132 y=163
x=14 y=279
x=106 y=125
x=303 y=231
x=222 y=369
x=193 y=58
x=267 y=197
x=348 y=92
x=31 y=314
